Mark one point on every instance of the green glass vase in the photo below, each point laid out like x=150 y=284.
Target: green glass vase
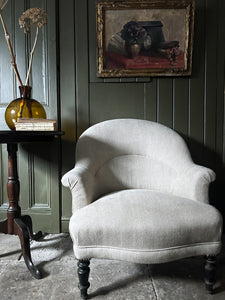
x=23 y=107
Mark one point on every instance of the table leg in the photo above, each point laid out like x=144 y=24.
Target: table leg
x=28 y=222
x=22 y=231
x=13 y=187
x=15 y=223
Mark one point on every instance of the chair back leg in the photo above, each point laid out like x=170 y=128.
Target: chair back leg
x=210 y=273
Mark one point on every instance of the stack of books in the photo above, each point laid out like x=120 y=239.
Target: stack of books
x=33 y=124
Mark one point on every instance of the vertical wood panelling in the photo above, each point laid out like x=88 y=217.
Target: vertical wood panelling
x=220 y=85
x=180 y=107
x=82 y=65
x=42 y=176
x=44 y=186
x=197 y=86
x=150 y=100
x=67 y=69
x=210 y=76
x=44 y=62
x=39 y=74
x=20 y=45
x=67 y=97
x=210 y=82
x=109 y=101
x=7 y=78
x=165 y=102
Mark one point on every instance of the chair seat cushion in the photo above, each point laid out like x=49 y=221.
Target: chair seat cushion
x=145 y=226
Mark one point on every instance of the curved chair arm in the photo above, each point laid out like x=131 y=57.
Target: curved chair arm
x=81 y=184
x=194 y=183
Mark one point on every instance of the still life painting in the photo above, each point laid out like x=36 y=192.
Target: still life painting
x=145 y=38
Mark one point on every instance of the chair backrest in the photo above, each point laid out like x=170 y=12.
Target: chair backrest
x=132 y=154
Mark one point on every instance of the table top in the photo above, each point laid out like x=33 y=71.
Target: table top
x=14 y=136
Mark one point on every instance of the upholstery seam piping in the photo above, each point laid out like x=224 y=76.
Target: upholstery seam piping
x=153 y=250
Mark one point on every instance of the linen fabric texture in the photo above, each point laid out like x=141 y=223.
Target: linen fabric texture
x=138 y=196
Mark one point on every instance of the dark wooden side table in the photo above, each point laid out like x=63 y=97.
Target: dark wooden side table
x=15 y=223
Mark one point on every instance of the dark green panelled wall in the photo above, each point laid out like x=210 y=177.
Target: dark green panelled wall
x=193 y=106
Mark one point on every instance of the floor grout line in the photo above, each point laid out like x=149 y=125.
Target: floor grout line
x=153 y=284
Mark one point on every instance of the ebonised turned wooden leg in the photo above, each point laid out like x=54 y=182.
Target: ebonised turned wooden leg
x=210 y=273
x=83 y=274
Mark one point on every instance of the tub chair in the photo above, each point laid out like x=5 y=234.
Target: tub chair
x=137 y=196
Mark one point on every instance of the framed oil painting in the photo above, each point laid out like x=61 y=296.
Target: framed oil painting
x=145 y=38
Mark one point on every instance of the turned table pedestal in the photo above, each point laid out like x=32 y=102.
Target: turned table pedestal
x=15 y=222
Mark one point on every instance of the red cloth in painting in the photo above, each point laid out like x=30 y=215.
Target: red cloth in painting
x=118 y=61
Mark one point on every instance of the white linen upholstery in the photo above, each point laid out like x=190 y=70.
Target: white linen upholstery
x=138 y=196
x=145 y=226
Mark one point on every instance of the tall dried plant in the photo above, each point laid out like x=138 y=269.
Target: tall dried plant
x=13 y=62
x=32 y=17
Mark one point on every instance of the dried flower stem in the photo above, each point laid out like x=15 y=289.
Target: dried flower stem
x=13 y=62
x=3 y=4
x=31 y=56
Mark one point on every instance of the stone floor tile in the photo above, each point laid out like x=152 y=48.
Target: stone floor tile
x=120 y=280
x=110 y=280
x=183 y=280
x=9 y=247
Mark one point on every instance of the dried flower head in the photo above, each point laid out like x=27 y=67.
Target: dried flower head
x=133 y=33
x=33 y=16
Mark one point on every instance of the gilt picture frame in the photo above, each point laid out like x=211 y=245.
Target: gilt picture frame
x=145 y=38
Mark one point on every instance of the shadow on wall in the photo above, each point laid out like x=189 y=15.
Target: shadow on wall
x=217 y=196
x=60 y=151
x=204 y=156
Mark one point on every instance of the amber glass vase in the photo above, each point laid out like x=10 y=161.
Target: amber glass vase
x=23 y=107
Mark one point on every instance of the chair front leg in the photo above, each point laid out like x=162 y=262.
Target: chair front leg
x=210 y=273
x=83 y=274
